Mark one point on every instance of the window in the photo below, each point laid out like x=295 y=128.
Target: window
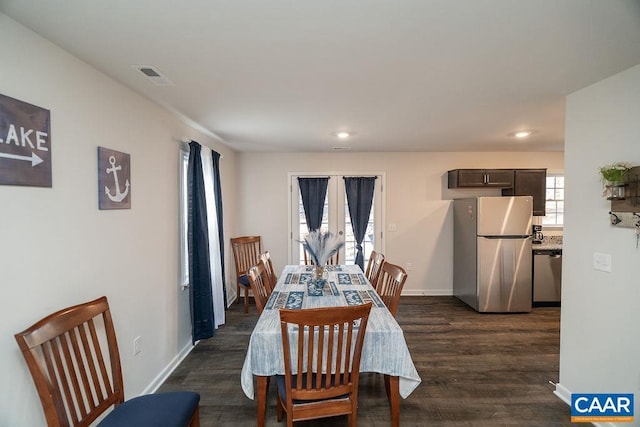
x=554 y=204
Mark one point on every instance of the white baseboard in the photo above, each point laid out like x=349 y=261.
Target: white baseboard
x=164 y=374
x=427 y=292
x=565 y=395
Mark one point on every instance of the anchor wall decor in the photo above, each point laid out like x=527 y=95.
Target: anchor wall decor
x=114 y=179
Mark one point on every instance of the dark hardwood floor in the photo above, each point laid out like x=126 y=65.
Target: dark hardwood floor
x=476 y=370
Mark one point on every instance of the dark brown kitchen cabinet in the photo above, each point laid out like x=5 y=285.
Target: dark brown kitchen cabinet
x=530 y=182
x=500 y=178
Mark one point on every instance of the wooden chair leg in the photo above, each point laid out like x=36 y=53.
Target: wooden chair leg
x=246 y=299
x=237 y=294
x=387 y=387
x=279 y=409
x=195 y=419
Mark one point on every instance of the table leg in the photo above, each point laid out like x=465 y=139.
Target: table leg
x=392 y=386
x=261 y=399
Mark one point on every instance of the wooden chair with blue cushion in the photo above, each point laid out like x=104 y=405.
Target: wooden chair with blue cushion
x=73 y=358
x=376 y=259
x=246 y=254
x=265 y=257
x=260 y=285
x=390 y=283
x=322 y=349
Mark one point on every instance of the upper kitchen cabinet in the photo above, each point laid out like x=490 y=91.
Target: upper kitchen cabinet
x=500 y=178
x=513 y=182
x=530 y=182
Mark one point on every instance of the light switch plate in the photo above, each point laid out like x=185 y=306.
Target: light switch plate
x=602 y=262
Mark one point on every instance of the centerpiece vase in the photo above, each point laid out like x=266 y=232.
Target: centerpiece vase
x=614 y=190
x=318 y=272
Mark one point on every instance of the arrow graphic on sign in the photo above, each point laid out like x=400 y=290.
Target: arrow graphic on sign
x=33 y=158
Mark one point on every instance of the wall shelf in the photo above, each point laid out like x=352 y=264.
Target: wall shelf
x=626 y=212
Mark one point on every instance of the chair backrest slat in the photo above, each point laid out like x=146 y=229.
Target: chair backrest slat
x=78 y=370
x=107 y=388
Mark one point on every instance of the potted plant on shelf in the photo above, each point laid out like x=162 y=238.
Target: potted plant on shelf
x=613 y=179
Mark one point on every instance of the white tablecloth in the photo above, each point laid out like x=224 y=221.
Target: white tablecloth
x=385 y=350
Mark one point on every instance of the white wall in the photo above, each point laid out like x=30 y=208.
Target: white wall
x=600 y=342
x=58 y=249
x=417 y=200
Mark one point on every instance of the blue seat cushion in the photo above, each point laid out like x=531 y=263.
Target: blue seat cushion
x=158 y=410
x=244 y=280
x=282 y=389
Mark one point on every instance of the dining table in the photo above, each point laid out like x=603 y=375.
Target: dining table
x=384 y=350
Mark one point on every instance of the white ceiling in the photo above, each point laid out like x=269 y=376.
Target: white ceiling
x=404 y=75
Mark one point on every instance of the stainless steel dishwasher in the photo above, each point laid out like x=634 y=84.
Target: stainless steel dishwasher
x=547 y=277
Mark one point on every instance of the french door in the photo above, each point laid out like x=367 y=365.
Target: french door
x=336 y=218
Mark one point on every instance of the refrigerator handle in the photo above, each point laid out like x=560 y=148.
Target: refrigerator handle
x=524 y=236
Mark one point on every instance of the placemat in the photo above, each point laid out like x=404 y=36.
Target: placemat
x=351 y=279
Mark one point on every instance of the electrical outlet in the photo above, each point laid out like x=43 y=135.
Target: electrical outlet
x=409 y=266
x=137 y=347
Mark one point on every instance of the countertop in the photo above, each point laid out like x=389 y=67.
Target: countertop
x=548 y=243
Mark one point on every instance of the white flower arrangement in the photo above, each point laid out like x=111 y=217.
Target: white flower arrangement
x=321 y=245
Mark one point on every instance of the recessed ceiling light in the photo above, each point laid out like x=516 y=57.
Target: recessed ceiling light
x=520 y=134
x=342 y=134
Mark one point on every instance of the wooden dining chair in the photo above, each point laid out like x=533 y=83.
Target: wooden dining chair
x=334 y=260
x=246 y=253
x=389 y=286
x=260 y=285
x=73 y=358
x=322 y=349
x=376 y=259
x=265 y=257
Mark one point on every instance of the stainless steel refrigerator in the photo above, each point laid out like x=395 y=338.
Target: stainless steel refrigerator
x=492 y=269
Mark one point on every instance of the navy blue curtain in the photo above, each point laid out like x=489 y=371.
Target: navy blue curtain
x=359 y=198
x=217 y=188
x=313 y=192
x=200 y=292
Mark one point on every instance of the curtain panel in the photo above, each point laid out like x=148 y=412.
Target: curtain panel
x=314 y=193
x=204 y=241
x=200 y=291
x=360 y=191
x=217 y=188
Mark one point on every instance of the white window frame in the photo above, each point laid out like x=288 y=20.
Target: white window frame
x=554 y=225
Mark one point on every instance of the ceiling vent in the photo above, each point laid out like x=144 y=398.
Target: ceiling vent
x=153 y=75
